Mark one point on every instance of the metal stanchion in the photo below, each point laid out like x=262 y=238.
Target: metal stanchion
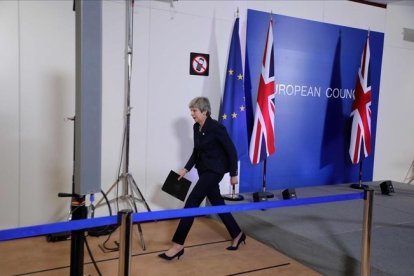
x=125 y=238
x=77 y=241
x=366 y=234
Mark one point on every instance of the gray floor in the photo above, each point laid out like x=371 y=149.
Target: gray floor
x=327 y=237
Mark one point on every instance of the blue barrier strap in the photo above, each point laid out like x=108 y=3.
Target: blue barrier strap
x=58 y=227
x=232 y=208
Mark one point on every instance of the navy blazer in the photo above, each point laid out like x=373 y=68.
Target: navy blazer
x=213 y=149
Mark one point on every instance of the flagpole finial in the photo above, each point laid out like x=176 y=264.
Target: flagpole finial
x=237 y=12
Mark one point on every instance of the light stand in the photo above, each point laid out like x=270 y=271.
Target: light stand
x=130 y=191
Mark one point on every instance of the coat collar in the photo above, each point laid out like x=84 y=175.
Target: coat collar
x=208 y=124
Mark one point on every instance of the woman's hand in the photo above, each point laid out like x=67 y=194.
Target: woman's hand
x=182 y=172
x=234 y=180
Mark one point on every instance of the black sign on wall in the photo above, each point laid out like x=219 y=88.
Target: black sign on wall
x=199 y=64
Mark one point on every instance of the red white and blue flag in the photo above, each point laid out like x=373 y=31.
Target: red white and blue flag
x=262 y=143
x=361 y=109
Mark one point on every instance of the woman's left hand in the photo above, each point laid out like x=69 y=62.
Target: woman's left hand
x=181 y=173
x=234 y=180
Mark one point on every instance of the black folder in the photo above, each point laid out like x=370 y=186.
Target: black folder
x=176 y=188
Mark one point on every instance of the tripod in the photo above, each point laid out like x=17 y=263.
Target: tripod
x=130 y=190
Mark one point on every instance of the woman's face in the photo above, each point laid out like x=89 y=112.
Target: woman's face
x=198 y=116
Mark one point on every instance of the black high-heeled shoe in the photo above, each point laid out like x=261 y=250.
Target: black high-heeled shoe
x=242 y=239
x=168 y=258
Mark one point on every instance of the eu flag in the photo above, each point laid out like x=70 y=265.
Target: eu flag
x=233 y=109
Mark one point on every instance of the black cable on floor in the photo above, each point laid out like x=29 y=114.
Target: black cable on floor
x=92 y=258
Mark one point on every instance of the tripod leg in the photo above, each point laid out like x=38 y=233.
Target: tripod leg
x=139 y=192
x=99 y=203
x=141 y=236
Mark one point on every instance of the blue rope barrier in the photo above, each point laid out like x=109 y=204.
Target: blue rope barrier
x=67 y=226
x=57 y=227
x=192 y=212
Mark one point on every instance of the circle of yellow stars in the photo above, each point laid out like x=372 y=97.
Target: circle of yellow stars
x=242 y=107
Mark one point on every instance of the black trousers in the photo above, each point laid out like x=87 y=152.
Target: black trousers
x=206 y=186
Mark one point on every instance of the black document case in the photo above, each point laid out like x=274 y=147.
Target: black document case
x=176 y=188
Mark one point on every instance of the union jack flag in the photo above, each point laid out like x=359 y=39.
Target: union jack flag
x=361 y=109
x=262 y=143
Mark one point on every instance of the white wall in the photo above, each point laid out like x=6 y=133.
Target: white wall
x=37 y=86
x=394 y=151
x=9 y=119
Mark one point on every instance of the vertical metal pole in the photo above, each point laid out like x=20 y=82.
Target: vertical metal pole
x=128 y=69
x=77 y=241
x=125 y=235
x=366 y=234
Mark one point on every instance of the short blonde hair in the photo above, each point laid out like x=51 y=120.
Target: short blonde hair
x=202 y=103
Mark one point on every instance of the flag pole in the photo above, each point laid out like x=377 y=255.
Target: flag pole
x=233 y=196
x=359 y=186
x=361 y=124
x=234 y=58
x=267 y=194
x=262 y=142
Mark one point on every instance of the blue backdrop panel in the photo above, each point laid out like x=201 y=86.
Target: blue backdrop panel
x=316 y=67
